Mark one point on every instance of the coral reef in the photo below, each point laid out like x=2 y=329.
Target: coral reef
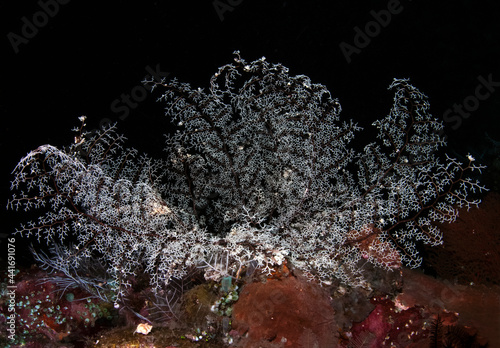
x=45 y=316
x=297 y=231
x=288 y=312
x=472 y=306
x=260 y=168
x=279 y=310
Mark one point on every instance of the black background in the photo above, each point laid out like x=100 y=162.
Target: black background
x=89 y=54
